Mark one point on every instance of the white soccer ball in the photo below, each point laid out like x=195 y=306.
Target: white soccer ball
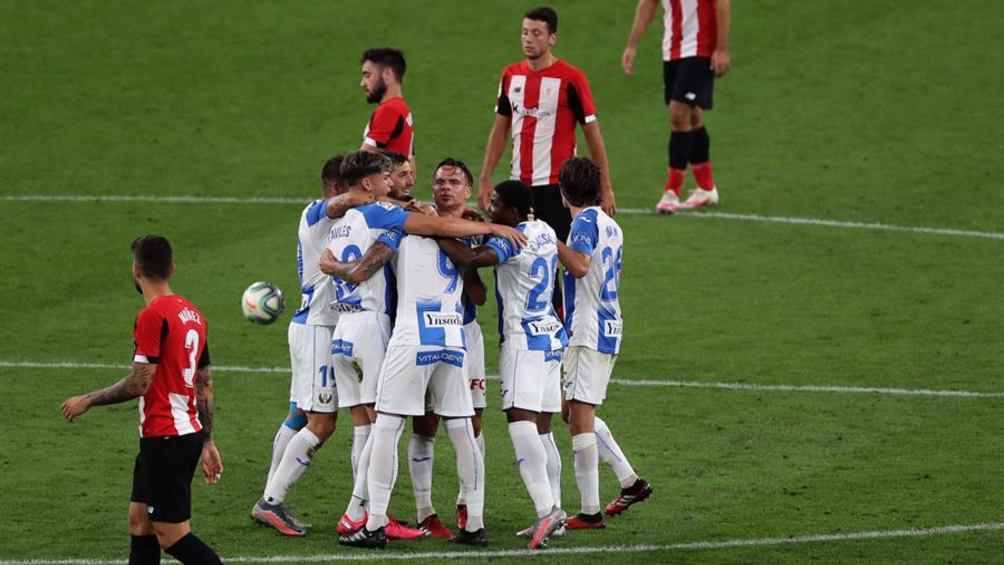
x=262 y=303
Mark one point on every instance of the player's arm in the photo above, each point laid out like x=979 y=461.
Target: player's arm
x=134 y=385
x=446 y=226
x=337 y=206
x=474 y=287
x=575 y=262
x=469 y=258
x=212 y=465
x=643 y=15
x=598 y=151
x=493 y=153
x=360 y=270
x=720 y=62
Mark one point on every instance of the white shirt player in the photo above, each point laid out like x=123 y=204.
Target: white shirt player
x=429 y=310
x=524 y=287
x=592 y=310
x=351 y=236
x=316 y=293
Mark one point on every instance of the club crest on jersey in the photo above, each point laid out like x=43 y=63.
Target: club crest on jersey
x=442 y=319
x=325 y=398
x=187 y=315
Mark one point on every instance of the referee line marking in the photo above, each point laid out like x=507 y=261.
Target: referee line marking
x=813 y=222
x=749 y=387
x=638 y=548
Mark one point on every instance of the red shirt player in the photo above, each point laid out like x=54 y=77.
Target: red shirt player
x=390 y=125
x=540 y=101
x=695 y=50
x=171 y=377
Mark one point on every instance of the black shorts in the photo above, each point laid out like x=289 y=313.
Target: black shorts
x=689 y=80
x=547 y=206
x=162 y=477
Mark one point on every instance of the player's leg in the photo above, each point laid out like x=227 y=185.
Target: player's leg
x=143 y=546
x=585 y=388
x=299 y=384
x=421 y=460
x=474 y=365
x=698 y=80
x=550 y=405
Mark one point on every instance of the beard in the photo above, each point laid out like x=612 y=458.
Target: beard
x=377 y=93
x=139 y=289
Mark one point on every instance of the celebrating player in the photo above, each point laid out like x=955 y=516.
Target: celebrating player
x=695 y=50
x=592 y=261
x=390 y=125
x=172 y=378
x=531 y=339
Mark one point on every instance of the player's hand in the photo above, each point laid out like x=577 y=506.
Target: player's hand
x=627 y=60
x=484 y=194
x=608 y=202
x=720 y=62
x=472 y=215
x=420 y=207
x=327 y=263
x=75 y=406
x=212 y=465
x=514 y=236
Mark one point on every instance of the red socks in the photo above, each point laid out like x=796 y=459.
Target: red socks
x=702 y=174
x=674 y=180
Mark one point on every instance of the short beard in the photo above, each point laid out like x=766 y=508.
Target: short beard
x=377 y=94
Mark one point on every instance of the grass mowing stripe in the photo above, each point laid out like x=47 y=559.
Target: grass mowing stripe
x=815 y=222
x=622 y=382
x=646 y=548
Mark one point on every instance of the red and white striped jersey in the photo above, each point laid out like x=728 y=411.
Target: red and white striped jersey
x=691 y=29
x=543 y=107
x=390 y=127
x=171 y=333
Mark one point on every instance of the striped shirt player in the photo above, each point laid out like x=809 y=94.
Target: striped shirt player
x=689 y=29
x=391 y=128
x=365 y=309
x=530 y=335
x=592 y=310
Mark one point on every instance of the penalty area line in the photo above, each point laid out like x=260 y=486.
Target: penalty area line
x=587 y=550
x=737 y=386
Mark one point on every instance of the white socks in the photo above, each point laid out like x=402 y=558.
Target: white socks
x=470 y=469
x=421 y=455
x=360 y=487
x=359 y=436
x=279 y=444
x=461 y=501
x=587 y=473
x=382 y=471
x=295 y=460
x=531 y=458
x=612 y=455
x=553 y=466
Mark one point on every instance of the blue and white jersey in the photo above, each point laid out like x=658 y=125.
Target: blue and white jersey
x=592 y=311
x=351 y=236
x=524 y=285
x=316 y=295
x=470 y=308
x=429 y=288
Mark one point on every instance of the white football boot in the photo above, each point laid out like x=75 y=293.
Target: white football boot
x=668 y=203
x=700 y=197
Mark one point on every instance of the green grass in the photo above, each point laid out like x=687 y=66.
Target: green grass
x=843 y=110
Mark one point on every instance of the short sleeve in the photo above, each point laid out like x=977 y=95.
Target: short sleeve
x=384 y=216
x=502 y=105
x=385 y=124
x=204 y=358
x=150 y=330
x=391 y=238
x=580 y=99
x=584 y=234
x=316 y=212
x=502 y=247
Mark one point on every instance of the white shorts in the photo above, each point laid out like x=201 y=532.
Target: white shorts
x=413 y=373
x=531 y=380
x=476 y=364
x=312 y=386
x=587 y=374
x=357 y=350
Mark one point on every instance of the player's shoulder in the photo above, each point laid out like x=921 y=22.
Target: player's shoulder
x=517 y=68
x=568 y=70
x=378 y=213
x=396 y=105
x=314 y=211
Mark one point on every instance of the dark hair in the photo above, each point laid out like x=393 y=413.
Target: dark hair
x=544 y=14
x=457 y=164
x=360 y=164
x=396 y=158
x=331 y=173
x=579 y=179
x=516 y=195
x=154 y=256
x=387 y=57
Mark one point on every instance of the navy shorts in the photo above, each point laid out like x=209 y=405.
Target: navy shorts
x=162 y=476
x=689 y=80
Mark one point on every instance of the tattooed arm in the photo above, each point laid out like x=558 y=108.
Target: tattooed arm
x=361 y=269
x=212 y=465
x=132 y=386
x=339 y=205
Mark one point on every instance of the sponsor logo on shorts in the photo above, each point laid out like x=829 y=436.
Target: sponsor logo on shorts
x=543 y=328
x=690 y=96
x=611 y=327
x=455 y=358
x=442 y=319
x=341 y=347
x=552 y=356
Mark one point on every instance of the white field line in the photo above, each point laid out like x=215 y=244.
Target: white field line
x=812 y=222
x=620 y=382
x=640 y=548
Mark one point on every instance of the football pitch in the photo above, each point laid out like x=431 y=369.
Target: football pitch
x=810 y=372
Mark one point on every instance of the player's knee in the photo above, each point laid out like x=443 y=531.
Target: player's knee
x=169 y=533
x=296 y=418
x=680 y=116
x=139 y=522
x=322 y=427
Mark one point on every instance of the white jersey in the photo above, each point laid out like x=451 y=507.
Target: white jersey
x=316 y=294
x=524 y=285
x=592 y=311
x=351 y=236
x=429 y=289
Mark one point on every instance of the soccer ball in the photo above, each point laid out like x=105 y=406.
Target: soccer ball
x=262 y=303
